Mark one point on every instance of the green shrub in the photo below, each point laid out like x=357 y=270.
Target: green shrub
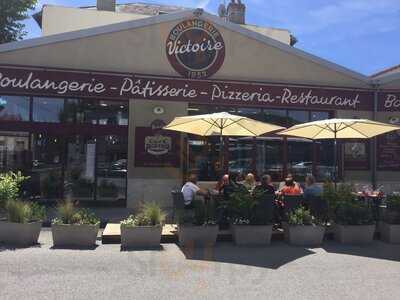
x=69 y=214
x=10 y=185
x=241 y=206
x=198 y=216
x=151 y=214
x=302 y=216
x=24 y=212
x=353 y=212
x=392 y=215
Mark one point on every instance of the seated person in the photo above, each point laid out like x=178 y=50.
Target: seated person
x=232 y=186
x=249 y=182
x=312 y=189
x=221 y=183
x=290 y=187
x=266 y=186
x=190 y=189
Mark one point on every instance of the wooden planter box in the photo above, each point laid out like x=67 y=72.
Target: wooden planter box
x=390 y=233
x=20 y=234
x=74 y=235
x=354 y=234
x=252 y=235
x=306 y=235
x=140 y=236
x=197 y=236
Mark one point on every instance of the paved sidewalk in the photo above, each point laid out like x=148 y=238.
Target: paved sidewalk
x=225 y=272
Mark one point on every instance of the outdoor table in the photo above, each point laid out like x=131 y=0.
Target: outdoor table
x=374 y=201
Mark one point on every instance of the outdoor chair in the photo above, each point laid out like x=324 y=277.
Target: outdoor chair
x=265 y=208
x=318 y=207
x=292 y=202
x=178 y=203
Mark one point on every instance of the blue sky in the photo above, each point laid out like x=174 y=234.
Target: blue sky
x=362 y=35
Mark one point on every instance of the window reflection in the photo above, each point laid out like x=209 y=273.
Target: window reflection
x=303 y=157
x=112 y=113
x=14 y=108
x=80 y=168
x=46 y=174
x=270 y=157
x=241 y=155
x=50 y=110
x=111 y=167
x=204 y=157
x=300 y=158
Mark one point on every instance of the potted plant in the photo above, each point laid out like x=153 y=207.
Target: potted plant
x=74 y=227
x=354 y=222
x=197 y=228
x=144 y=229
x=304 y=229
x=23 y=224
x=251 y=221
x=10 y=187
x=389 y=227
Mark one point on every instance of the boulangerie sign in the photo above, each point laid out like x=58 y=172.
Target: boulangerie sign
x=246 y=93
x=389 y=101
x=50 y=82
x=195 y=49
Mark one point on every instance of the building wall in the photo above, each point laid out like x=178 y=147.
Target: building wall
x=142 y=50
x=151 y=184
x=58 y=19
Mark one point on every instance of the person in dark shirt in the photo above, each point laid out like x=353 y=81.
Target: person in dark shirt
x=266 y=186
x=232 y=186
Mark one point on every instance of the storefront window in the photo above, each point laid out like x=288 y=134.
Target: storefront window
x=14 y=108
x=14 y=155
x=297 y=117
x=204 y=157
x=324 y=160
x=319 y=115
x=275 y=116
x=46 y=173
x=86 y=112
x=80 y=168
x=270 y=158
x=112 y=113
x=300 y=158
x=241 y=155
x=49 y=110
x=252 y=113
x=111 y=167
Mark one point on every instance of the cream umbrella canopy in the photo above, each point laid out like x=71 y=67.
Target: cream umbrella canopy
x=221 y=124
x=339 y=129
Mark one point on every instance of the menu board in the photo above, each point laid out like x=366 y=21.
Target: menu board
x=356 y=155
x=156 y=148
x=388 y=149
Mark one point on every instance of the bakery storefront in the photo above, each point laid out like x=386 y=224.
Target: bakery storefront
x=81 y=112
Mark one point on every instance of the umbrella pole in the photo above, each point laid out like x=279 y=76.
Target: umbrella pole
x=335 y=160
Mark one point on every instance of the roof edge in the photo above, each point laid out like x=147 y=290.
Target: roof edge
x=61 y=37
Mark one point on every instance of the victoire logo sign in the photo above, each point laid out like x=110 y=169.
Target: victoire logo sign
x=195 y=49
x=52 y=82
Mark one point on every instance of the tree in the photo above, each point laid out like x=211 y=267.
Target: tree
x=12 y=12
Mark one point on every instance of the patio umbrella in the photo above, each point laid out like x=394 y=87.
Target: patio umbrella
x=221 y=124
x=339 y=129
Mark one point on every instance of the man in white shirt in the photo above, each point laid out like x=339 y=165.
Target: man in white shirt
x=190 y=189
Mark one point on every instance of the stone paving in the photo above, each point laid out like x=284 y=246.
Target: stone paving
x=225 y=272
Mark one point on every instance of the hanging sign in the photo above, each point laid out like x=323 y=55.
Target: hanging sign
x=116 y=86
x=389 y=101
x=388 y=154
x=155 y=147
x=195 y=49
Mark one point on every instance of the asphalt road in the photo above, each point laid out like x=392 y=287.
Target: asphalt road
x=225 y=272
